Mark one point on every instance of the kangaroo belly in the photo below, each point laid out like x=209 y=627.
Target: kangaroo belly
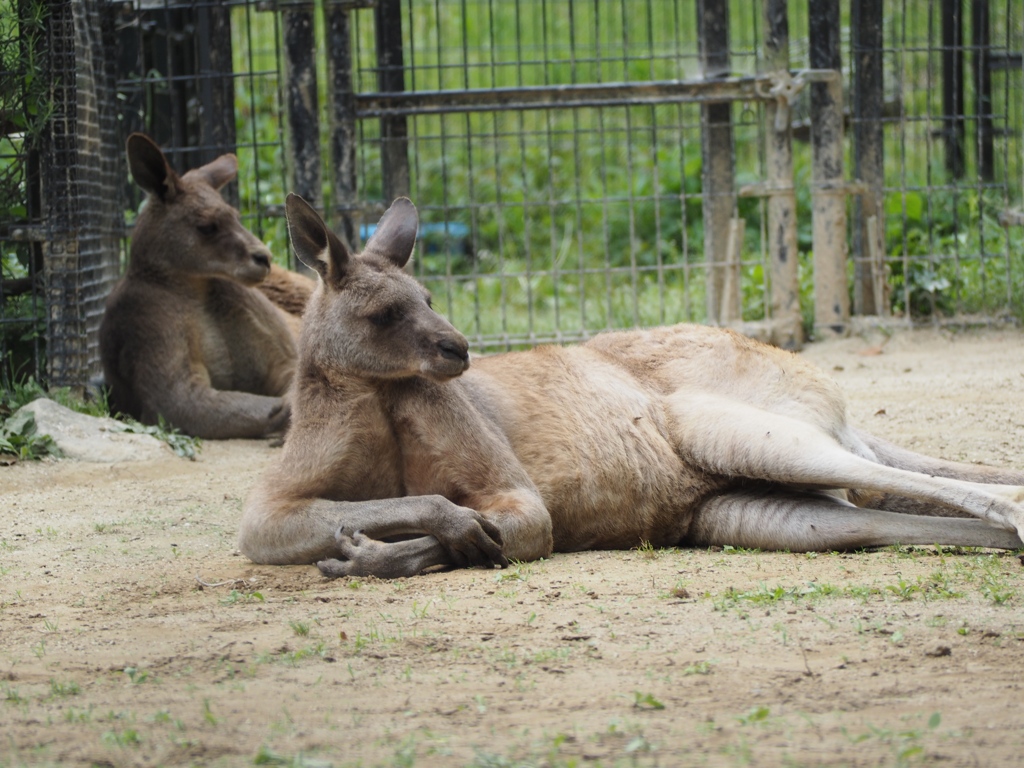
x=622 y=484
x=595 y=443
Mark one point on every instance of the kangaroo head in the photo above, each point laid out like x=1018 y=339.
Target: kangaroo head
x=186 y=227
x=368 y=318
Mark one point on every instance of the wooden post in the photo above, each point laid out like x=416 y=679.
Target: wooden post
x=786 y=322
x=868 y=153
x=831 y=297
x=732 y=299
x=718 y=171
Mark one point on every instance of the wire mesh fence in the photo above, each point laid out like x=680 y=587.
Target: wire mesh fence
x=63 y=220
x=578 y=165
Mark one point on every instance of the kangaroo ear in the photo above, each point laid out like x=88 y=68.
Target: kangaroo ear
x=395 y=236
x=219 y=172
x=315 y=245
x=150 y=168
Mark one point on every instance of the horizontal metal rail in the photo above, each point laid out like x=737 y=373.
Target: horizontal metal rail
x=763 y=87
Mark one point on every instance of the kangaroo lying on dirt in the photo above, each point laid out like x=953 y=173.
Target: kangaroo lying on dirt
x=400 y=458
x=185 y=336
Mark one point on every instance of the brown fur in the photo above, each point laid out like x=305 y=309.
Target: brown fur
x=185 y=336
x=676 y=435
x=289 y=291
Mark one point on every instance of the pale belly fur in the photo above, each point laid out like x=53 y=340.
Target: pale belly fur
x=597 y=444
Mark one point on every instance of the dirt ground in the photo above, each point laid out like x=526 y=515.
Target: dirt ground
x=133 y=633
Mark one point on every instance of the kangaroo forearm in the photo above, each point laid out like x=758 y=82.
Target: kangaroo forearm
x=218 y=415
x=387 y=518
x=302 y=531
x=274 y=532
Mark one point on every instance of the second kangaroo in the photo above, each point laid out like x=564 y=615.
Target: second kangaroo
x=186 y=336
x=402 y=456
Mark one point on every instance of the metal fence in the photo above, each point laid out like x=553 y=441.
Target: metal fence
x=781 y=167
x=62 y=222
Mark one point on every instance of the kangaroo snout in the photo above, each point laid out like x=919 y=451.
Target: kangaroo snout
x=262 y=259
x=454 y=349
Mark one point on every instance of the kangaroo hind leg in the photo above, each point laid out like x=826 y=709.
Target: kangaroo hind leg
x=779 y=519
x=732 y=438
x=895 y=456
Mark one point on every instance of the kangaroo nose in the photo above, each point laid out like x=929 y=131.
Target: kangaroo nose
x=262 y=259
x=454 y=349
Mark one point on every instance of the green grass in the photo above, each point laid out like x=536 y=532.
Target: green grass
x=183 y=445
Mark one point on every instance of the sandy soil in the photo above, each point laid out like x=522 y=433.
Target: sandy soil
x=132 y=633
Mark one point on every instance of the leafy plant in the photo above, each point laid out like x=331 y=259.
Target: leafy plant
x=646 y=701
x=70 y=688
x=236 y=596
x=183 y=445
x=20 y=438
x=19 y=435
x=756 y=715
x=698 y=668
x=136 y=675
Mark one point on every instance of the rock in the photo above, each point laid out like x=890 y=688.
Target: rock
x=92 y=438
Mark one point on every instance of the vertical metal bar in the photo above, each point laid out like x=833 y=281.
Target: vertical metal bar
x=786 y=322
x=868 y=148
x=394 y=131
x=342 y=111
x=718 y=166
x=953 y=85
x=130 y=67
x=303 y=109
x=831 y=297
x=216 y=87
x=148 y=60
x=981 y=40
x=169 y=117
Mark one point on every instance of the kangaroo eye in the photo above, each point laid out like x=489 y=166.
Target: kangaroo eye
x=385 y=317
x=207 y=229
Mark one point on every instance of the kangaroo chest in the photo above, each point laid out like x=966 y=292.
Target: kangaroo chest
x=240 y=343
x=443 y=444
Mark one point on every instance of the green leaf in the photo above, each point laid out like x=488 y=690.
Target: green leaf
x=21 y=424
x=646 y=701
